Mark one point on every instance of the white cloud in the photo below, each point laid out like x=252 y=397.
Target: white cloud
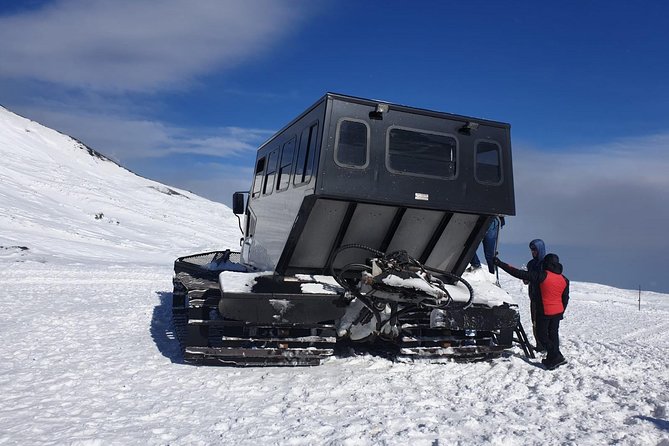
x=126 y=139
x=228 y=141
x=610 y=195
x=212 y=180
x=139 y=45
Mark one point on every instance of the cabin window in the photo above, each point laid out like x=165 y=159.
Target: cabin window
x=259 y=173
x=268 y=186
x=422 y=153
x=250 y=224
x=306 y=154
x=283 y=177
x=488 y=162
x=352 y=144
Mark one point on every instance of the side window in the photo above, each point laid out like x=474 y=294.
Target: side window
x=268 y=185
x=352 y=144
x=250 y=224
x=305 y=154
x=257 y=181
x=421 y=153
x=283 y=177
x=488 y=162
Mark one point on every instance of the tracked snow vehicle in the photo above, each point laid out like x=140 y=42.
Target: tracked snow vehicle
x=360 y=221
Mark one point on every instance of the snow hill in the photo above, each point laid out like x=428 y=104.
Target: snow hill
x=60 y=198
x=89 y=358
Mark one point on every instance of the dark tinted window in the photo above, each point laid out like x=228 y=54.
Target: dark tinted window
x=283 y=177
x=488 y=164
x=306 y=153
x=422 y=153
x=352 y=144
x=271 y=172
x=257 y=181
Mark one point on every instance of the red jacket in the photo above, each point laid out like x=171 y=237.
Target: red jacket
x=552 y=288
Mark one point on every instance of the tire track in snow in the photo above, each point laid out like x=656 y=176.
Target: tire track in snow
x=647 y=334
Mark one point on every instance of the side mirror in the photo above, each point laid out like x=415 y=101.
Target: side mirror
x=238 y=203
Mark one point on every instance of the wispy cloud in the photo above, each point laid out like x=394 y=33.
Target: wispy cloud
x=138 y=45
x=83 y=67
x=229 y=141
x=216 y=181
x=127 y=139
x=612 y=194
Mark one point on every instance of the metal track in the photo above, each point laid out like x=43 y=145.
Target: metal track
x=206 y=338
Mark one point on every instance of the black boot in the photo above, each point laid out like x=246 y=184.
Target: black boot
x=552 y=365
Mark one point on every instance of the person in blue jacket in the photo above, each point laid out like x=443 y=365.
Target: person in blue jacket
x=489 y=242
x=538 y=250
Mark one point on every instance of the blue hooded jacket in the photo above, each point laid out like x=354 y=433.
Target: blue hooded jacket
x=541 y=248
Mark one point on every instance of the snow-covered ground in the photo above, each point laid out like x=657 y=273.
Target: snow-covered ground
x=88 y=354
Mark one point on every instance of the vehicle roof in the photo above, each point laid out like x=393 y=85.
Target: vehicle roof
x=392 y=106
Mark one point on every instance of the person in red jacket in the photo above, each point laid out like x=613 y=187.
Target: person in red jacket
x=551 y=303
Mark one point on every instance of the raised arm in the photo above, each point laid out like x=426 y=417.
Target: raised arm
x=517 y=273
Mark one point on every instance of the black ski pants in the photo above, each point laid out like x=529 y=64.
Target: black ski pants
x=535 y=309
x=548 y=330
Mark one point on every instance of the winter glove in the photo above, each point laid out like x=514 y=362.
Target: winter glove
x=496 y=261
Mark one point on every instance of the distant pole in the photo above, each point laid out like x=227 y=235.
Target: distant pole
x=639 y=297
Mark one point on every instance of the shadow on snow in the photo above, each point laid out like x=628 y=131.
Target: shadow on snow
x=659 y=423
x=162 y=329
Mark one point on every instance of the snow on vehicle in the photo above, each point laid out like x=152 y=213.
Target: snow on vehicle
x=360 y=222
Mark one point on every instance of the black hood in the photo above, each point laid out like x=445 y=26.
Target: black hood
x=552 y=263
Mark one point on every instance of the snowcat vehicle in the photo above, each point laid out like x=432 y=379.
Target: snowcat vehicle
x=358 y=226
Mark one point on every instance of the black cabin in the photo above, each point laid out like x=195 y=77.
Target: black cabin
x=390 y=177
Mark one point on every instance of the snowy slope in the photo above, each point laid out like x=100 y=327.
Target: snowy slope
x=60 y=198
x=89 y=358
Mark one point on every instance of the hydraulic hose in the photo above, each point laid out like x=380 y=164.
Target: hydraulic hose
x=369 y=304
x=457 y=278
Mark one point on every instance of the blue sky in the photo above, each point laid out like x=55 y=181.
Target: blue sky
x=183 y=92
